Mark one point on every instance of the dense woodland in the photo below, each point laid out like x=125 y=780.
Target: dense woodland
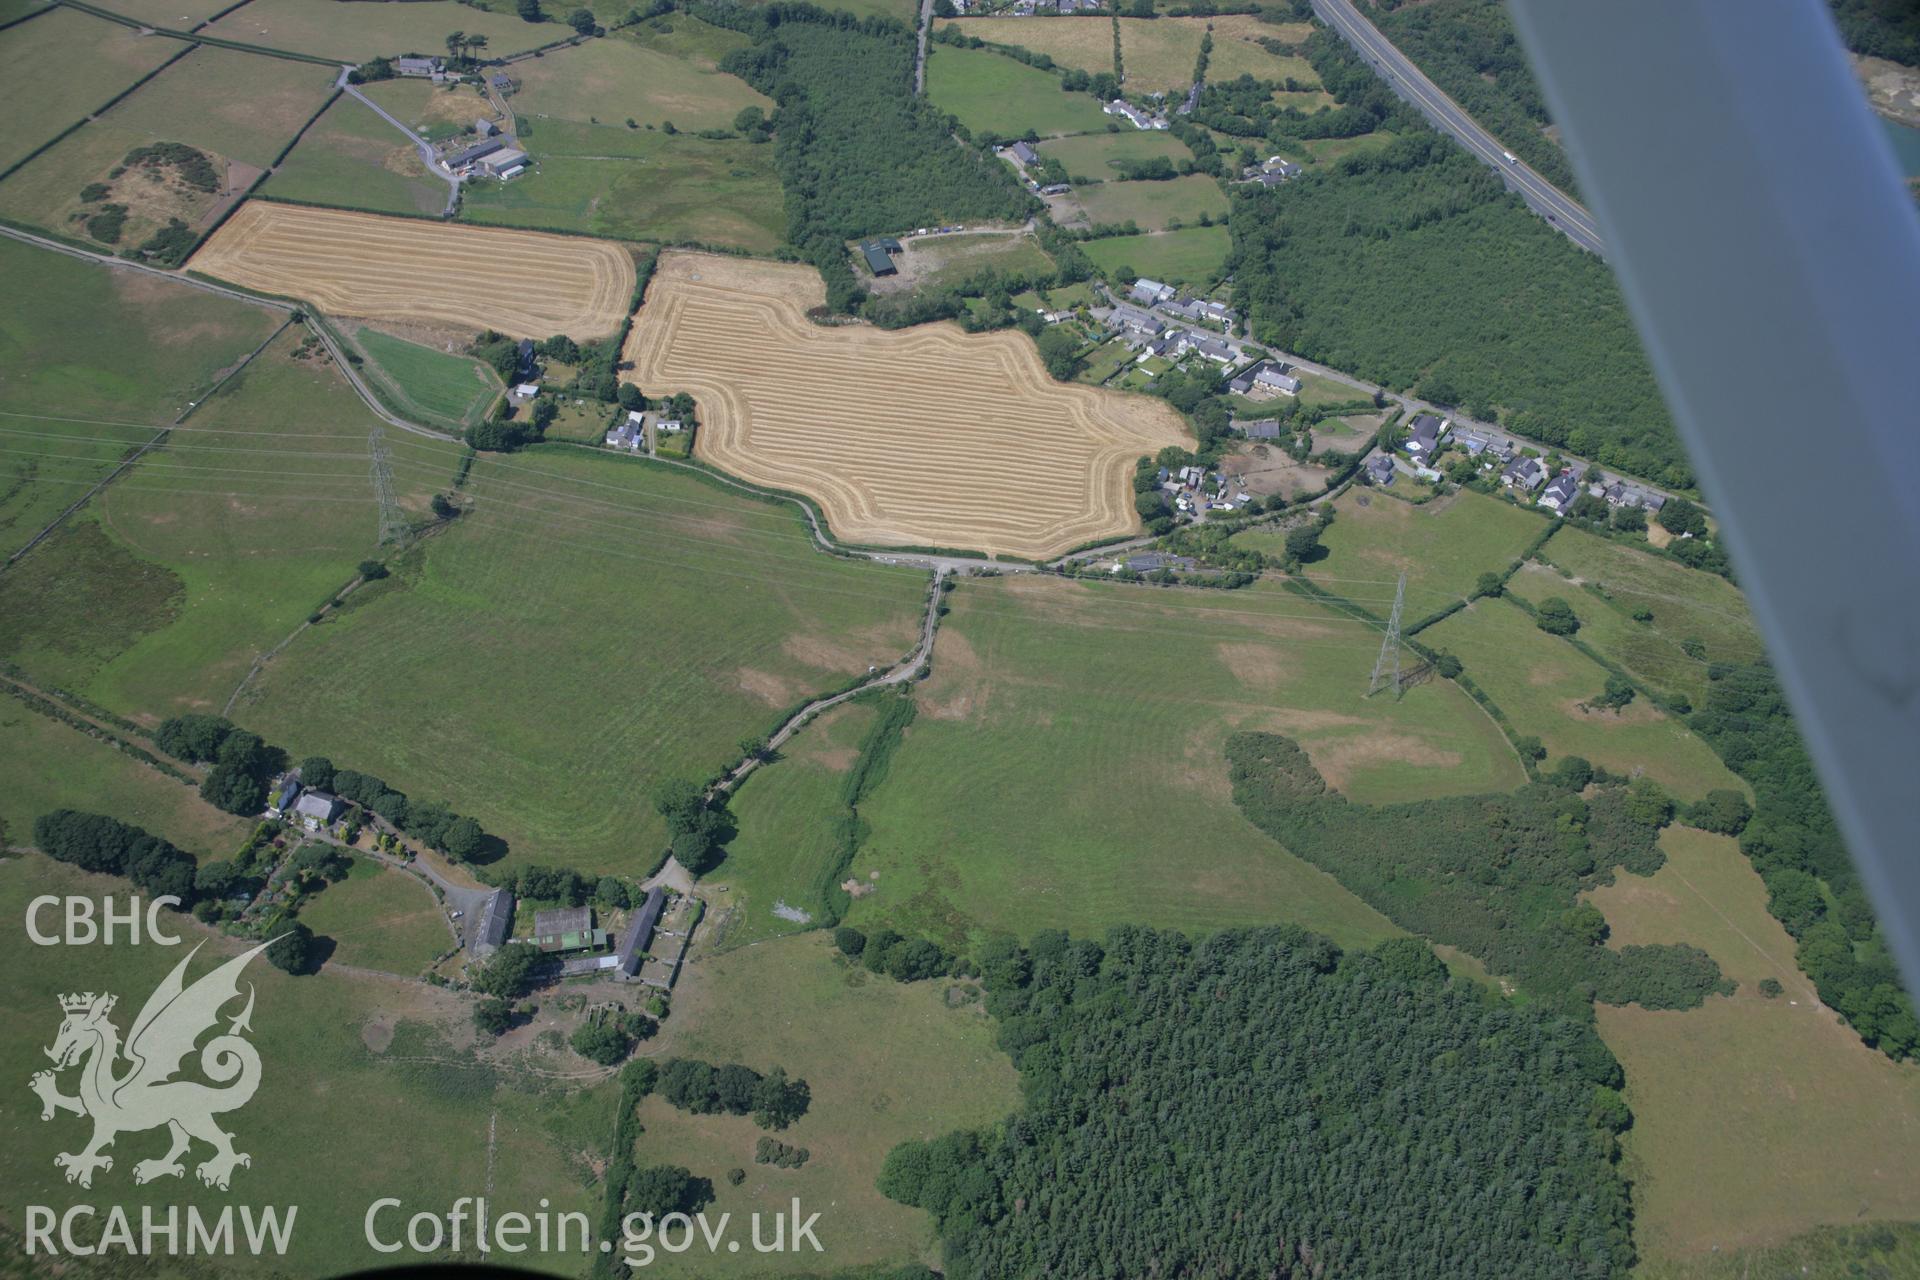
x=858 y=153
x=1260 y=1104
x=1469 y=49
x=1498 y=876
x=1880 y=28
x=1795 y=846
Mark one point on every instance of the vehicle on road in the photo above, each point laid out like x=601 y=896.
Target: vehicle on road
x=1509 y=157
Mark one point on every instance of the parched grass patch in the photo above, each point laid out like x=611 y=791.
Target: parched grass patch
x=639 y=184
x=239 y=105
x=991 y=93
x=355 y=32
x=618 y=80
x=414 y=1118
x=62 y=66
x=354 y=159
x=1153 y=205
x=1098 y=156
x=886 y=1062
x=947 y=260
x=1084 y=43
x=46 y=765
x=47 y=190
x=1190 y=255
x=1538 y=680
x=1755 y=1120
x=1443 y=546
x=588 y=629
x=92 y=363
x=380 y=919
x=1067 y=768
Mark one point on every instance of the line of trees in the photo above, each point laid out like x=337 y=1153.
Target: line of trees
x=1261 y=1103
x=1499 y=876
x=773 y=1100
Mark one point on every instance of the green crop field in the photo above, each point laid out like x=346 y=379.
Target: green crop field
x=158 y=598
x=886 y=1062
x=357 y=32
x=991 y=93
x=1538 y=680
x=1443 y=546
x=92 y=362
x=786 y=813
x=62 y=66
x=1098 y=156
x=46 y=765
x=1066 y=768
x=1153 y=204
x=1754 y=1119
x=238 y=105
x=354 y=159
x=590 y=627
x=639 y=184
x=619 y=80
x=1686 y=605
x=347 y=1060
x=449 y=391
x=380 y=919
x=1191 y=255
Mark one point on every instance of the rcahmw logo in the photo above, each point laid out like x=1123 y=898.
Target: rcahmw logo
x=134 y=1086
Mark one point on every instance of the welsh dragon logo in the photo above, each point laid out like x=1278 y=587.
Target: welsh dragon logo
x=144 y=1093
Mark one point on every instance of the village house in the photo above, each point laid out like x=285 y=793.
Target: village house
x=1424 y=440
x=316 y=809
x=1024 y=152
x=1133 y=320
x=1261 y=429
x=1134 y=115
x=1524 y=474
x=1559 y=493
x=1380 y=470
x=630 y=434
x=283 y=795
x=417 y=66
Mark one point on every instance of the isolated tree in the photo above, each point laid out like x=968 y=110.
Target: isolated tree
x=661 y=1189
x=493 y=1015
x=292 y=951
x=1556 y=617
x=442 y=508
x=193 y=737
x=849 y=940
x=1302 y=544
x=372 y=570
x=1448 y=666
x=1722 y=811
x=1771 y=988
x=602 y=1040
x=530 y=11
x=581 y=20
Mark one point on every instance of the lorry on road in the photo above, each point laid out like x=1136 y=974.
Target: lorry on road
x=1509 y=157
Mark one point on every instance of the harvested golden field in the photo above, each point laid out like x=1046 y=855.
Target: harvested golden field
x=522 y=283
x=923 y=437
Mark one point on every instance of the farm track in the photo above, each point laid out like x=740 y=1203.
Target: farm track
x=928 y=437
x=362 y=264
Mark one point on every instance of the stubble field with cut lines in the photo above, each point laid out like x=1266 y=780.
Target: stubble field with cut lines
x=522 y=283
x=927 y=437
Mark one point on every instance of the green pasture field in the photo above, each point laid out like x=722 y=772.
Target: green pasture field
x=1060 y=298
x=1097 y=157
x=93 y=362
x=380 y=919
x=626 y=622
x=991 y=93
x=1755 y=1120
x=885 y=1061
x=1641 y=649
x=946 y=260
x=683 y=36
x=899 y=10
x=435 y=111
x=357 y=32
x=1066 y=768
x=1327 y=150
x=1686 y=605
x=583 y=421
x=1153 y=204
x=1082 y=43
x=46 y=190
x=348 y=1062
x=786 y=813
x=639 y=184
x=1237 y=53
x=449 y=391
x=46 y=765
x=618 y=80
x=178 y=14
x=1444 y=546
x=238 y=105
x=1191 y=255
x=1537 y=679
x=214 y=549
x=355 y=160
x=64 y=65
x=12 y=9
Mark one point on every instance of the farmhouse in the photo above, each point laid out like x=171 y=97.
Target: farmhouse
x=1380 y=470
x=416 y=66
x=632 y=951
x=1559 y=493
x=490 y=932
x=1428 y=432
x=628 y=435
x=566 y=929
x=500 y=83
x=1133 y=115
x=1523 y=474
x=316 y=809
x=1024 y=152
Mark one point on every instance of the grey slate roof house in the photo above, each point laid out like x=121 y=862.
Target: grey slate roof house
x=1523 y=474
x=1428 y=431
x=632 y=952
x=495 y=920
x=1262 y=429
x=317 y=808
x=416 y=66
x=1149 y=293
x=1380 y=469
x=1153 y=561
x=1134 y=320
x=1024 y=152
x=1559 y=493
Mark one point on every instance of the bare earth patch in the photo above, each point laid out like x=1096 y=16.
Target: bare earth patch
x=1341 y=758
x=922 y=437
